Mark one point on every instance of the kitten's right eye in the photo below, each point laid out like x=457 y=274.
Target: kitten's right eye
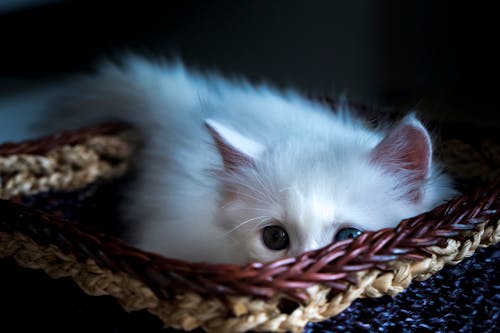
x=347 y=233
x=275 y=238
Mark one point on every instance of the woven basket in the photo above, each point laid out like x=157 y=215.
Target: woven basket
x=279 y=296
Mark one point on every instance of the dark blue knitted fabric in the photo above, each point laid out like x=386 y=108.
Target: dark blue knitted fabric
x=463 y=298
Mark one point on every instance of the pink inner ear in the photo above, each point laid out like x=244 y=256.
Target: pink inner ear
x=231 y=157
x=406 y=149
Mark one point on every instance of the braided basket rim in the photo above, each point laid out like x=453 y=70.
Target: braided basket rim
x=333 y=266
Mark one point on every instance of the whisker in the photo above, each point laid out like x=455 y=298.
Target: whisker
x=257 y=209
x=251 y=188
x=259 y=224
x=245 y=222
x=265 y=188
x=285 y=189
x=248 y=196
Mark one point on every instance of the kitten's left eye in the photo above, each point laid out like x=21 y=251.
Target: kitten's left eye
x=275 y=238
x=347 y=233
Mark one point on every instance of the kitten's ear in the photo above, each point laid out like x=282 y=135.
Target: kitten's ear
x=406 y=150
x=235 y=149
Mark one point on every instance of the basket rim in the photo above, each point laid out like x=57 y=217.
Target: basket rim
x=43 y=145
x=333 y=265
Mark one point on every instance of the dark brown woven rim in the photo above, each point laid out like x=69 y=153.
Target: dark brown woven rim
x=46 y=144
x=332 y=266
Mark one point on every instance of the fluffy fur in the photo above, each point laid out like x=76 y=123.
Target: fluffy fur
x=222 y=159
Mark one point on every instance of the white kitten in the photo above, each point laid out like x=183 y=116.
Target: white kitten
x=232 y=172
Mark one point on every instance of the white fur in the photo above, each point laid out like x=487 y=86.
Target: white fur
x=313 y=177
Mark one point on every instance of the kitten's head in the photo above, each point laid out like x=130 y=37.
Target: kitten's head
x=304 y=192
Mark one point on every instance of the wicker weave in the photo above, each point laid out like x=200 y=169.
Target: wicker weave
x=278 y=296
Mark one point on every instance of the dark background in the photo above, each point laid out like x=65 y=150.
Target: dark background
x=439 y=57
